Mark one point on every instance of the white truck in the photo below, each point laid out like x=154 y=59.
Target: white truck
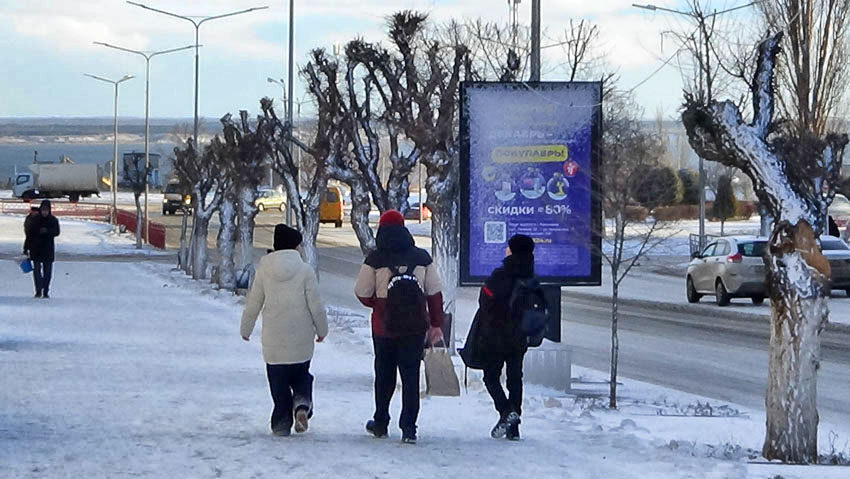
x=59 y=180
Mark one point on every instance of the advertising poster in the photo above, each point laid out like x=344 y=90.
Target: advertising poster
x=529 y=165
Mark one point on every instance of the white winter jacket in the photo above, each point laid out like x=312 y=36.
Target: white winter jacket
x=286 y=290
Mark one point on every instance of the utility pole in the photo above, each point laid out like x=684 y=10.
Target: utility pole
x=289 y=216
x=535 y=40
x=115 y=83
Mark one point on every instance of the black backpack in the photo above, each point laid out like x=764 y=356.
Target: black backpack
x=528 y=307
x=405 y=309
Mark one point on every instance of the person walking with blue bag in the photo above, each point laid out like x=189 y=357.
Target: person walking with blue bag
x=42 y=231
x=26 y=264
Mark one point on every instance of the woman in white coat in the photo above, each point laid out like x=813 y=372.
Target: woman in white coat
x=287 y=291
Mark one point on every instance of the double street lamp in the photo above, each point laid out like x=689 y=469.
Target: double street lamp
x=197 y=24
x=114 y=184
x=147 y=56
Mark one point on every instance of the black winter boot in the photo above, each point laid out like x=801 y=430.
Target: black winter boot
x=513 y=427
x=500 y=429
x=375 y=429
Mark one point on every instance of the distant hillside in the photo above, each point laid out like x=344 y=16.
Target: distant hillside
x=34 y=127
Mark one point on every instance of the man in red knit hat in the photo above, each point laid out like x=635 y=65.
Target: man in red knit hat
x=402 y=286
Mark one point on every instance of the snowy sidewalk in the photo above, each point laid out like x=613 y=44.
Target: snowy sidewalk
x=132 y=370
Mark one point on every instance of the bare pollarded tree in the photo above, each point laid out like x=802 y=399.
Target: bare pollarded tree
x=203 y=172
x=138 y=174
x=813 y=69
x=249 y=149
x=795 y=179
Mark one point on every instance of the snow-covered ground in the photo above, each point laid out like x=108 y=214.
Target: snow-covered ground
x=134 y=370
x=76 y=237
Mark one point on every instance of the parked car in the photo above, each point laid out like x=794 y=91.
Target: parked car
x=840 y=210
x=271 y=199
x=412 y=212
x=173 y=199
x=838 y=254
x=729 y=267
x=332 y=208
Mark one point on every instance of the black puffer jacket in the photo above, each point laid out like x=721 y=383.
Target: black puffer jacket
x=42 y=231
x=501 y=332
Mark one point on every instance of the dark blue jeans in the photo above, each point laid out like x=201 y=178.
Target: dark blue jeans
x=402 y=355
x=492 y=380
x=292 y=389
x=42 y=271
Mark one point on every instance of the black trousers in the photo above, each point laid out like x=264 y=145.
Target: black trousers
x=292 y=389
x=492 y=380
x=42 y=271
x=403 y=355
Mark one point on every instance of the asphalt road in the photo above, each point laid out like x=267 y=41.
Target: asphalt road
x=699 y=352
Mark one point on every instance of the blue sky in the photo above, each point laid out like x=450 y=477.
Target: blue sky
x=46 y=46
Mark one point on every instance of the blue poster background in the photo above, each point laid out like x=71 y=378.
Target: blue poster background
x=530 y=160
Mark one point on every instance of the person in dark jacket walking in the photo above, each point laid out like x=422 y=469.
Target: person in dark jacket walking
x=42 y=231
x=34 y=211
x=503 y=342
x=399 y=350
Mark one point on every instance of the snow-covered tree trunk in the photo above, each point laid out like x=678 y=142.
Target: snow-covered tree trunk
x=361 y=205
x=247 y=221
x=443 y=195
x=361 y=202
x=226 y=246
x=794 y=187
x=200 y=232
x=204 y=209
x=183 y=253
x=798 y=276
x=136 y=196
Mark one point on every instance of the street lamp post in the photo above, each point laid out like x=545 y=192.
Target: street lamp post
x=701 y=20
x=197 y=24
x=114 y=185
x=147 y=56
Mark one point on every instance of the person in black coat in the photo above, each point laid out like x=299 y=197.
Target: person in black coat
x=502 y=341
x=42 y=231
x=34 y=211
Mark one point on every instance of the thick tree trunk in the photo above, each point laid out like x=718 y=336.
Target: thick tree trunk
x=797 y=282
x=615 y=340
x=442 y=185
x=360 y=208
x=183 y=254
x=310 y=230
x=199 y=246
x=226 y=236
x=247 y=221
x=138 y=221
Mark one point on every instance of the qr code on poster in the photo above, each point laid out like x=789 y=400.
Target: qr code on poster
x=495 y=232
